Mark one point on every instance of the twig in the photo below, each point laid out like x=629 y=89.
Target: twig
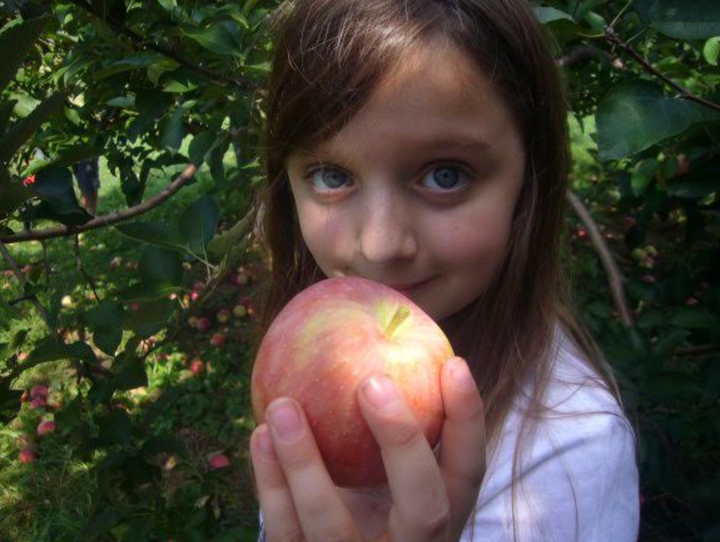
x=108 y=219
x=46 y=263
x=614 y=37
x=137 y=39
x=697 y=350
x=20 y=299
x=81 y=268
x=582 y=53
x=615 y=278
x=14 y=266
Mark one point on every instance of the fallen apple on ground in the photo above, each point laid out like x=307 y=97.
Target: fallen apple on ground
x=324 y=342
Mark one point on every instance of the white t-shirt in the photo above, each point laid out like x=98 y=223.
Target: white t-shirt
x=579 y=475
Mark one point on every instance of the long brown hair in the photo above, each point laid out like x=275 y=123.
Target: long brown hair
x=329 y=57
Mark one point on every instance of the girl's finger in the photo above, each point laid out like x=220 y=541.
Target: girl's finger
x=421 y=509
x=276 y=501
x=322 y=513
x=463 y=442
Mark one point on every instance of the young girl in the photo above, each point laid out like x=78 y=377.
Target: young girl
x=423 y=144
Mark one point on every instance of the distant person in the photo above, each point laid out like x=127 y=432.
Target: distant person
x=87 y=174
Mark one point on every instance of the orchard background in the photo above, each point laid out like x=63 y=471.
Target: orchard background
x=125 y=337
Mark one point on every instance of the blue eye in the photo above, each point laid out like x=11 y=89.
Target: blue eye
x=447 y=177
x=331 y=177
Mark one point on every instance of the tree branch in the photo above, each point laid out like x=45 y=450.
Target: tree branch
x=614 y=38
x=81 y=268
x=108 y=219
x=615 y=278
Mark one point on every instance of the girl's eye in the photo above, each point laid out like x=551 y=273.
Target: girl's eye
x=327 y=176
x=448 y=178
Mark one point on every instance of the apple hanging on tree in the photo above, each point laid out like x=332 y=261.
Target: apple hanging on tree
x=324 y=342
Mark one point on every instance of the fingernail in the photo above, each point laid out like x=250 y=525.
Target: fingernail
x=461 y=375
x=284 y=420
x=380 y=392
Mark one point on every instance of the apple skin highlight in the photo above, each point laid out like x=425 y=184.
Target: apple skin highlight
x=324 y=342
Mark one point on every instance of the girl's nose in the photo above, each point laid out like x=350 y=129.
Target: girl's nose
x=387 y=230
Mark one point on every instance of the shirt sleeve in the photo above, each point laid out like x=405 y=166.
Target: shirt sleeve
x=262 y=537
x=579 y=483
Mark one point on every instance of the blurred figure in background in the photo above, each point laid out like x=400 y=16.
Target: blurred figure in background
x=87 y=174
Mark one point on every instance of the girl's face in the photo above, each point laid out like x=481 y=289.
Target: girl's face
x=419 y=188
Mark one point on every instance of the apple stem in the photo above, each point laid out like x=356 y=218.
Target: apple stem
x=398 y=318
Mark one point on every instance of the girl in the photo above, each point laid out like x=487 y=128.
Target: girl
x=423 y=144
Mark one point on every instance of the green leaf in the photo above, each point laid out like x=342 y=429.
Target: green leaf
x=115 y=427
x=223 y=243
x=122 y=102
x=200 y=145
x=107 y=340
x=25 y=128
x=55 y=185
x=9 y=401
x=198 y=223
x=135 y=62
x=681 y=19
x=547 y=14
x=216 y=38
x=108 y=314
x=635 y=115
x=161 y=265
x=15 y=42
x=12 y=193
x=6 y=109
x=643 y=173
x=49 y=349
x=172 y=130
x=694 y=318
x=151 y=313
x=156 y=233
x=129 y=372
x=132 y=188
x=670 y=341
x=711 y=51
x=672 y=385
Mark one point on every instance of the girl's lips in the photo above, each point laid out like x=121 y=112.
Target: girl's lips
x=409 y=288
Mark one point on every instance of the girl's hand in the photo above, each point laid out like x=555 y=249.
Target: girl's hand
x=423 y=501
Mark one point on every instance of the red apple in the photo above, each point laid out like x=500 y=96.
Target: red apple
x=45 y=427
x=218 y=340
x=197 y=366
x=218 y=461
x=41 y=390
x=27 y=455
x=204 y=323
x=324 y=342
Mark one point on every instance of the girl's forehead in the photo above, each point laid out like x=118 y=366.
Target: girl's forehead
x=438 y=100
